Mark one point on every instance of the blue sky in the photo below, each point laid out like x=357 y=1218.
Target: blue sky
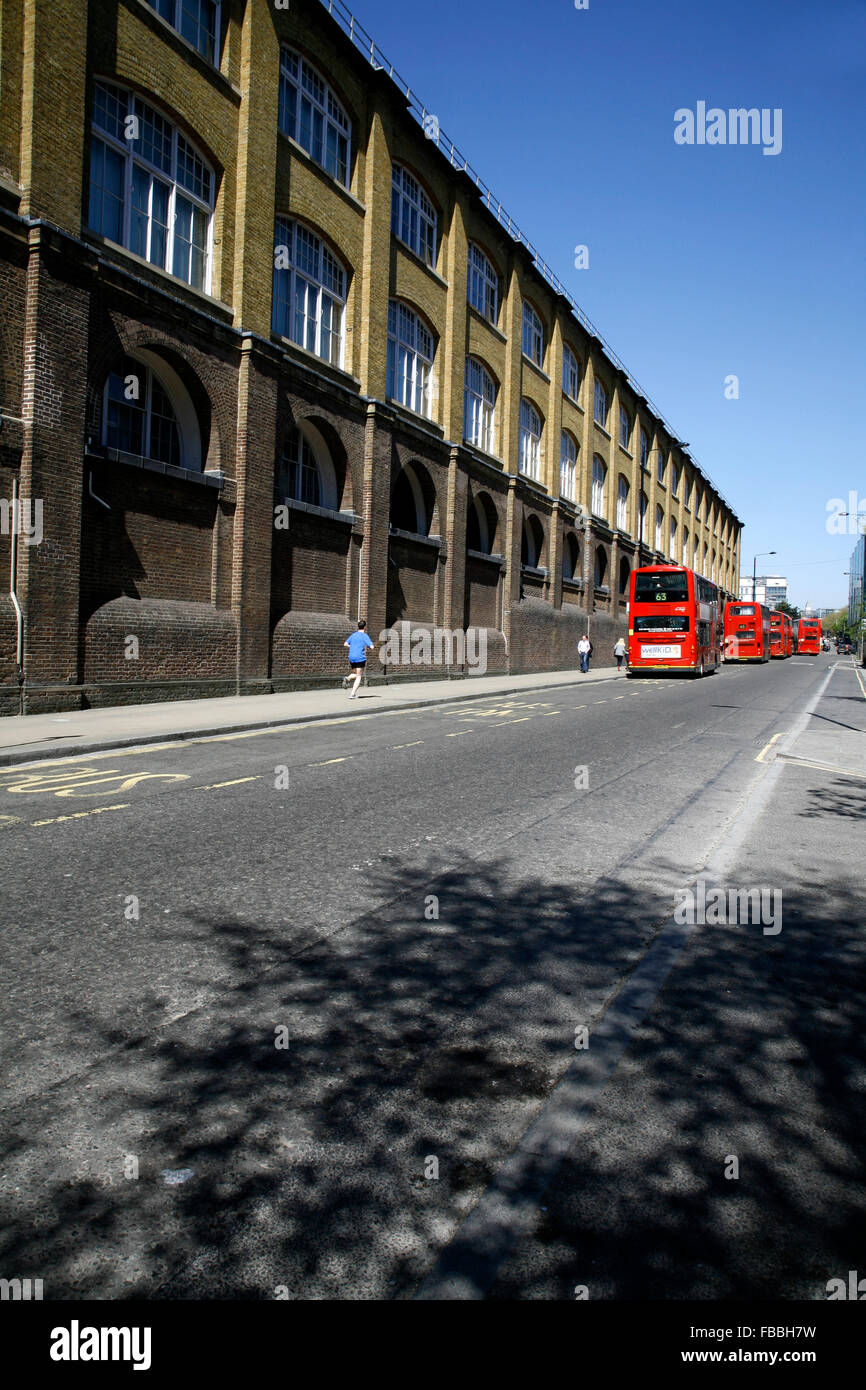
x=706 y=260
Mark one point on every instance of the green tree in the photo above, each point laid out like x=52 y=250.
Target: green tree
x=788 y=608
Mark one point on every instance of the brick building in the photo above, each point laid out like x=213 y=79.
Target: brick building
x=270 y=357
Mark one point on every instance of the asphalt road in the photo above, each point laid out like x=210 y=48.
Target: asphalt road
x=280 y=1009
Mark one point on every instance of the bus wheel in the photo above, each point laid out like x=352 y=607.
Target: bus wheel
x=699 y=672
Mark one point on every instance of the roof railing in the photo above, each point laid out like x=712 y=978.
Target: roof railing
x=377 y=59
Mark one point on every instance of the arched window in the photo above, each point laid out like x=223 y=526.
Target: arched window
x=305 y=472
x=568 y=467
x=624 y=427
x=529 y=460
x=660 y=521
x=413 y=217
x=479 y=403
x=532 y=542
x=600 y=566
x=197 y=20
x=675 y=479
x=410 y=359
x=599 y=478
x=642 y=505
x=673 y=547
x=533 y=335
x=687 y=489
x=409 y=509
x=570 y=374
x=685 y=559
x=622 y=503
x=150 y=189
x=571 y=557
x=644 y=449
x=661 y=464
x=481 y=525
x=309 y=292
x=624 y=577
x=482 y=289
x=599 y=405
x=311 y=115
x=147 y=412
x=298 y=476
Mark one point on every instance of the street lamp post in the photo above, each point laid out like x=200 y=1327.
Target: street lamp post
x=755 y=570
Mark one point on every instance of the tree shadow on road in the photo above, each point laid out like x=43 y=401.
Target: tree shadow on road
x=199 y=1159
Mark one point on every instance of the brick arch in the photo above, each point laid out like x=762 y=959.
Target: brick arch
x=196 y=372
x=423 y=489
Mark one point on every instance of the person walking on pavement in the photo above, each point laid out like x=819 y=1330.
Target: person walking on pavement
x=620 y=651
x=357 y=644
x=584 y=649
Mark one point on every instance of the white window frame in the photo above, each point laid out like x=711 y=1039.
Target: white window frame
x=531 y=426
x=570 y=374
x=624 y=427
x=413 y=216
x=181 y=155
x=660 y=528
x=672 y=528
x=410 y=359
x=479 y=406
x=599 y=485
x=622 y=497
x=600 y=401
x=661 y=466
x=317 y=294
x=318 y=122
x=174 y=11
x=482 y=284
x=532 y=340
x=568 y=467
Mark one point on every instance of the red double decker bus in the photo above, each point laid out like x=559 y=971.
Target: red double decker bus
x=809 y=635
x=747 y=632
x=781 y=634
x=673 y=621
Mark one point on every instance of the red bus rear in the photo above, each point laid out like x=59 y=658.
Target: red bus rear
x=809 y=635
x=673 y=621
x=781 y=634
x=747 y=632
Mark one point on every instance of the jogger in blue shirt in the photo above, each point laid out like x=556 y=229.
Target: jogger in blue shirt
x=357 y=644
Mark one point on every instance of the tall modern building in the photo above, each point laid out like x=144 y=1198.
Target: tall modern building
x=273 y=355
x=770 y=589
x=857 y=583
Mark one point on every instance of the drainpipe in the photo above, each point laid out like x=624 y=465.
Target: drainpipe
x=13 y=594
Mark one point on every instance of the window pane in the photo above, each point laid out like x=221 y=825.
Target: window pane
x=106 y=191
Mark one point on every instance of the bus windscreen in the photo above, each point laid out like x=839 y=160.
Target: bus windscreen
x=652 y=587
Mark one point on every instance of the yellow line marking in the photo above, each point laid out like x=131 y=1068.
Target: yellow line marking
x=550 y=712
x=460 y=733
x=761 y=758
x=79 y=815
x=328 y=761
x=213 y=786
x=525 y=718
x=417 y=742
x=6 y=821
x=599 y=702
x=619 y=697
x=578 y=707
